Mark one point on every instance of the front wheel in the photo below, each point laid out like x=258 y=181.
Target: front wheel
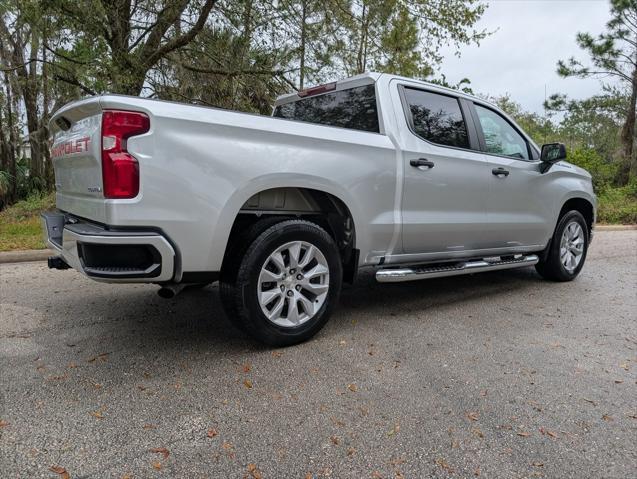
x=568 y=249
x=286 y=283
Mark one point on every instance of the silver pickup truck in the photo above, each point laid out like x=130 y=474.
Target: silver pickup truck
x=376 y=171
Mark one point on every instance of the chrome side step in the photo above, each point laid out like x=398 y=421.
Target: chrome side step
x=397 y=275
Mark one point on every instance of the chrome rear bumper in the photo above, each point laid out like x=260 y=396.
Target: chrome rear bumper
x=114 y=256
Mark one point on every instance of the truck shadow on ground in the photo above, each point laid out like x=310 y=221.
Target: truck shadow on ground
x=196 y=318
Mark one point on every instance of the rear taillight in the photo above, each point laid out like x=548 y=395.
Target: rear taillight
x=120 y=170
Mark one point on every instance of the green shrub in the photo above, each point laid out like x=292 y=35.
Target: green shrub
x=619 y=204
x=602 y=172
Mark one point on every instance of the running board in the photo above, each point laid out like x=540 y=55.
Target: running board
x=424 y=272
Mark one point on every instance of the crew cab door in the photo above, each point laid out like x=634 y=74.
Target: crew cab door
x=444 y=187
x=519 y=215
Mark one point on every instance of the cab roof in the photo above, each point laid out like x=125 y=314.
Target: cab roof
x=366 y=79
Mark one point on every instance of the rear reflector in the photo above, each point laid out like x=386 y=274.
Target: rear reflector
x=317 y=90
x=120 y=170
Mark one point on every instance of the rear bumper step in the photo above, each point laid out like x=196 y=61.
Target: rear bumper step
x=397 y=275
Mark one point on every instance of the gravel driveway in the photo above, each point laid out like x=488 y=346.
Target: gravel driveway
x=494 y=375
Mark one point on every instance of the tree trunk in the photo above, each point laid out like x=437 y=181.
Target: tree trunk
x=303 y=40
x=628 y=166
x=361 y=60
x=13 y=189
x=44 y=124
x=30 y=95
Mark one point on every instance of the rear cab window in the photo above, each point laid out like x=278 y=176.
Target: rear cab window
x=354 y=108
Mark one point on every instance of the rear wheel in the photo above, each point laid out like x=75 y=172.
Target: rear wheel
x=286 y=283
x=568 y=249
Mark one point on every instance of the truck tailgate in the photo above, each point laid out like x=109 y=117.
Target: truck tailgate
x=76 y=157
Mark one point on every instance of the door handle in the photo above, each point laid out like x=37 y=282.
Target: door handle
x=500 y=171
x=422 y=162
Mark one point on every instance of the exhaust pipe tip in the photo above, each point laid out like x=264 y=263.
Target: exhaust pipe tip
x=166 y=293
x=169 y=291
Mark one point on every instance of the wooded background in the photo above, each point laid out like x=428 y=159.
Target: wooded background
x=242 y=54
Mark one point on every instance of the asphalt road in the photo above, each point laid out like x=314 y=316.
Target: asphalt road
x=498 y=375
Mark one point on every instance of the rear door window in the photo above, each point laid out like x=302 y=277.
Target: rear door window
x=437 y=118
x=354 y=108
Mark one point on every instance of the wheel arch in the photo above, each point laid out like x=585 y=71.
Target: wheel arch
x=584 y=206
x=322 y=202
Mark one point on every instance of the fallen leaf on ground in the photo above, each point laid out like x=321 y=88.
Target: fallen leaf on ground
x=247 y=383
x=337 y=422
x=394 y=430
x=618 y=381
x=308 y=475
x=351 y=451
x=606 y=417
x=538 y=464
x=624 y=366
x=3 y=423
x=102 y=357
x=61 y=471
x=473 y=416
x=546 y=432
x=352 y=387
x=157 y=465
x=212 y=432
x=334 y=440
x=149 y=426
x=277 y=354
x=97 y=414
x=444 y=464
x=161 y=450
x=477 y=432
x=247 y=368
x=524 y=434
x=253 y=471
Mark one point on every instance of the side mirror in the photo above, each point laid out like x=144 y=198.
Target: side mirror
x=551 y=153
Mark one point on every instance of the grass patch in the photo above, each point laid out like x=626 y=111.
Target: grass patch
x=20 y=223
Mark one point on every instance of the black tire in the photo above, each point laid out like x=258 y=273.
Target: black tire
x=551 y=267
x=240 y=278
x=238 y=244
